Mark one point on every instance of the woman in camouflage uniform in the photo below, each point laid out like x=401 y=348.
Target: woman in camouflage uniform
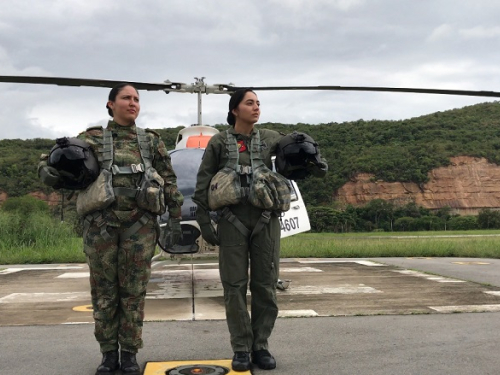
x=239 y=251
x=120 y=240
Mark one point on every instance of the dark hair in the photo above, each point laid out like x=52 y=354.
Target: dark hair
x=114 y=92
x=235 y=100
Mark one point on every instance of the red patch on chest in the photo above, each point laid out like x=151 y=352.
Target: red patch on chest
x=242 y=146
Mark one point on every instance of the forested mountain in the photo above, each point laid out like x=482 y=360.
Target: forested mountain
x=404 y=150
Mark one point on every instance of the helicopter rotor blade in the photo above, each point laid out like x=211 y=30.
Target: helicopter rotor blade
x=60 y=81
x=168 y=86
x=364 y=88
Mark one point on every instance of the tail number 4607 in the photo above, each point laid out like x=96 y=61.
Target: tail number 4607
x=289 y=224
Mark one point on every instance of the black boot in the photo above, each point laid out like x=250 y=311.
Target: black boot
x=263 y=359
x=129 y=365
x=109 y=363
x=241 y=361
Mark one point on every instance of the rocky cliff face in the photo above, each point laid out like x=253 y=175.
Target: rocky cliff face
x=467 y=186
x=53 y=199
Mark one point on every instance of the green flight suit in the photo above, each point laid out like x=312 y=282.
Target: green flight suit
x=120 y=266
x=237 y=252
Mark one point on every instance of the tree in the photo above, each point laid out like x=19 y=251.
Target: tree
x=404 y=224
x=488 y=219
x=463 y=223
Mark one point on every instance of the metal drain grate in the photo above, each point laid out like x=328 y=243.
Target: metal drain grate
x=198 y=370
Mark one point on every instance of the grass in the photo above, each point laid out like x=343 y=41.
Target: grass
x=71 y=251
x=475 y=244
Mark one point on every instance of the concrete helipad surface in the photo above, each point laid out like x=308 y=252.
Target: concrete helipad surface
x=59 y=294
x=386 y=316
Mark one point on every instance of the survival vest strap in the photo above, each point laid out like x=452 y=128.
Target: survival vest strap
x=245 y=171
x=263 y=220
x=105 y=157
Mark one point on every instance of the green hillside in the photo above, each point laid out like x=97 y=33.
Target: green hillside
x=404 y=150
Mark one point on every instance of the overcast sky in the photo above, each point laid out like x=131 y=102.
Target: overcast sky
x=445 y=44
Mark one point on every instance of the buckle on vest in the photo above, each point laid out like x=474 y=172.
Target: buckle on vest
x=266 y=216
x=99 y=221
x=245 y=169
x=136 y=168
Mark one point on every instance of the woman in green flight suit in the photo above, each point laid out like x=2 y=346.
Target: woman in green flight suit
x=239 y=251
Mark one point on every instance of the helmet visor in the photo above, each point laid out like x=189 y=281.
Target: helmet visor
x=69 y=153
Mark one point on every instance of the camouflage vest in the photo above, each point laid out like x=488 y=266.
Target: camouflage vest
x=100 y=194
x=266 y=189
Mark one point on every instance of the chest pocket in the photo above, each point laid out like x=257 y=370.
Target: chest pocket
x=266 y=189
x=149 y=194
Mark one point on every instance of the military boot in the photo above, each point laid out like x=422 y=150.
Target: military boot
x=129 y=365
x=109 y=363
x=263 y=359
x=241 y=361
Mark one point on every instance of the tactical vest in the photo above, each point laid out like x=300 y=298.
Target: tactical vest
x=264 y=188
x=149 y=194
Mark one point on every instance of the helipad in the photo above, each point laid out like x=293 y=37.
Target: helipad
x=192 y=291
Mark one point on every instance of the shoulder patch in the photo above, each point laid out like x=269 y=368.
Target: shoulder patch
x=153 y=131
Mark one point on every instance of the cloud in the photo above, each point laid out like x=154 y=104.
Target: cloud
x=439 y=44
x=480 y=32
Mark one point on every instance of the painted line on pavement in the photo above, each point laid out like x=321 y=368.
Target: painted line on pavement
x=296 y=313
x=362 y=262
x=299 y=269
x=345 y=289
x=466 y=308
x=471 y=263
x=44 y=297
x=74 y=275
x=44 y=268
x=492 y=292
x=439 y=279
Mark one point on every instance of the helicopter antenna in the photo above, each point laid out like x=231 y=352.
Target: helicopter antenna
x=199 y=86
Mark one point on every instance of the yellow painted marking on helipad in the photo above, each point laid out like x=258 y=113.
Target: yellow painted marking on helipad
x=161 y=368
x=470 y=263
x=84 y=308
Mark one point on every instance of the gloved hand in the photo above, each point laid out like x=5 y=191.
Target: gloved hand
x=49 y=175
x=207 y=229
x=209 y=234
x=174 y=230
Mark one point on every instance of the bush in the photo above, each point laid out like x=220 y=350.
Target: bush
x=488 y=219
x=25 y=205
x=404 y=224
x=426 y=223
x=463 y=223
x=36 y=229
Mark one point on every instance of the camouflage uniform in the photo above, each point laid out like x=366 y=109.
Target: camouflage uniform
x=120 y=268
x=237 y=252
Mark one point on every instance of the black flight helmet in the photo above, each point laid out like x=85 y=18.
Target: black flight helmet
x=75 y=162
x=295 y=152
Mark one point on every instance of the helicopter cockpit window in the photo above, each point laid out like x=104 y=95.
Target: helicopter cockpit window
x=186 y=163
